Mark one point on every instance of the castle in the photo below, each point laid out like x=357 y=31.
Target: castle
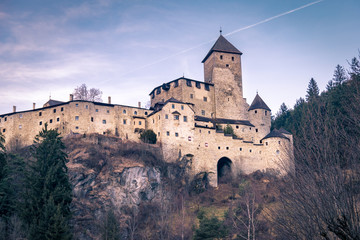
x=209 y=122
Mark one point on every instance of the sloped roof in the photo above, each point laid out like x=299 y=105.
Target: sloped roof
x=275 y=134
x=223 y=121
x=222 y=45
x=52 y=102
x=283 y=131
x=258 y=103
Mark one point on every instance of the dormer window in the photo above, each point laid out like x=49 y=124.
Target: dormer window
x=158 y=91
x=176 y=83
x=188 y=83
x=207 y=88
x=198 y=85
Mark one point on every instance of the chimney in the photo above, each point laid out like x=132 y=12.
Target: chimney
x=71 y=97
x=14 y=108
x=139 y=104
x=34 y=106
x=109 y=100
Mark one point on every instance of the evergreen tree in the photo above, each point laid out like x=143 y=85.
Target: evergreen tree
x=339 y=75
x=48 y=195
x=312 y=91
x=355 y=67
x=5 y=190
x=210 y=228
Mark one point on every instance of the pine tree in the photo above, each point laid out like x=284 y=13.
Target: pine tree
x=355 y=67
x=339 y=75
x=312 y=91
x=48 y=196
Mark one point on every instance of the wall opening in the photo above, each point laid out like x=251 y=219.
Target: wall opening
x=224 y=171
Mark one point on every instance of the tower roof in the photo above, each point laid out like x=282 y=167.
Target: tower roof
x=275 y=134
x=222 y=45
x=258 y=103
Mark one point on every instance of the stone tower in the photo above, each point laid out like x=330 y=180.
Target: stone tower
x=222 y=67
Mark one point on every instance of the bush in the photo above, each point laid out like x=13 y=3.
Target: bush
x=228 y=130
x=148 y=136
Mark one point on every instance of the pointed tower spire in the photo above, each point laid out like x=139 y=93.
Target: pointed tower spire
x=258 y=103
x=220 y=31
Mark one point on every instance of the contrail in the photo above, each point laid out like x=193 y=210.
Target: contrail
x=228 y=34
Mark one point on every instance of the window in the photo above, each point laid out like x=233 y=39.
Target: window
x=77 y=105
x=96 y=110
x=104 y=121
x=266 y=143
x=20 y=116
x=92 y=119
x=191 y=96
x=76 y=127
x=40 y=123
x=124 y=111
x=20 y=127
x=176 y=83
x=207 y=88
x=124 y=121
x=197 y=84
x=62 y=109
x=221 y=57
x=107 y=111
x=203 y=112
x=237 y=127
x=158 y=91
x=256 y=130
x=76 y=118
x=3 y=130
x=185 y=118
x=182 y=107
x=209 y=132
x=172 y=105
x=188 y=83
x=40 y=113
x=176 y=134
x=232 y=59
x=58 y=119
x=279 y=142
x=250 y=150
x=255 y=111
x=240 y=149
x=135 y=112
x=87 y=106
x=50 y=120
x=277 y=152
x=139 y=122
x=265 y=113
x=218 y=147
x=176 y=117
x=54 y=110
x=167 y=133
x=6 y=118
x=146 y=113
x=159 y=134
x=227 y=148
x=227 y=65
x=152 y=95
x=166 y=116
x=205 y=99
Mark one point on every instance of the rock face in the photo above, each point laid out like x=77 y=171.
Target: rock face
x=109 y=174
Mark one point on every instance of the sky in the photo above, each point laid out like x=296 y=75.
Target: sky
x=128 y=47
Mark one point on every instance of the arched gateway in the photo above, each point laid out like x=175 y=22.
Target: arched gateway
x=224 y=171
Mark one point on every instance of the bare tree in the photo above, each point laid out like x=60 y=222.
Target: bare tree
x=83 y=93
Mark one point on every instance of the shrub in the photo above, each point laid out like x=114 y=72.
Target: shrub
x=228 y=130
x=148 y=136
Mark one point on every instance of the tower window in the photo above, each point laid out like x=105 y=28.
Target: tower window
x=265 y=113
x=176 y=134
x=167 y=133
x=135 y=112
x=197 y=84
x=240 y=149
x=146 y=113
x=255 y=111
x=185 y=118
x=227 y=148
x=250 y=150
x=191 y=96
x=40 y=123
x=139 y=122
x=3 y=130
x=50 y=120
x=256 y=130
x=96 y=110
x=124 y=111
x=76 y=105
x=188 y=83
x=40 y=113
x=104 y=121
x=207 y=88
x=172 y=105
x=107 y=111
x=58 y=119
x=76 y=118
x=92 y=119
x=227 y=65
x=124 y=121
x=219 y=147
x=232 y=59
x=221 y=57
x=205 y=99
x=62 y=109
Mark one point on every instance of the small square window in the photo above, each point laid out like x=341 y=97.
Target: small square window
x=124 y=111
x=205 y=99
x=40 y=113
x=40 y=123
x=182 y=107
x=96 y=110
x=20 y=116
x=227 y=148
x=207 y=88
x=76 y=118
x=124 y=121
x=62 y=109
x=4 y=130
x=197 y=84
x=166 y=116
x=191 y=95
x=58 y=119
x=50 y=120
x=279 y=142
x=185 y=118
x=54 y=110
x=146 y=113
x=172 y=105
x=167 y=133
x=77 y=105
x=107 y=111
x=209 y=132
x=104 y=121
x=139 y=122
x=227 y=65
x=135 y=112
x=92 y=119
x=176 y=134
x=176 y=117
x=203 y=112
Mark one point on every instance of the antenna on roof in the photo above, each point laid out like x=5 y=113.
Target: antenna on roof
x=256 y=91
x=220 y=31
